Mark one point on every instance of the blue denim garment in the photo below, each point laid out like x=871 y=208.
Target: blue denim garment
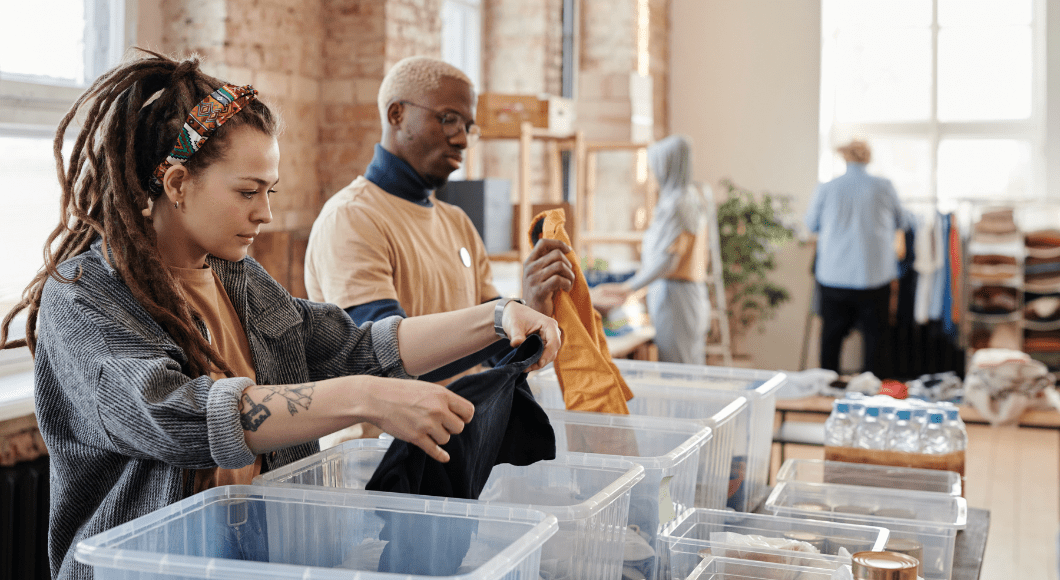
x=508 y=427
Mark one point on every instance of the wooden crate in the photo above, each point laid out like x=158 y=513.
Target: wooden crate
x=500 y=115
x=953 y=461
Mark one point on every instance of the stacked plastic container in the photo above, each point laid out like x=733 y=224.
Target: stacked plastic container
x=667 y=449
x=715 y=568
x=930 y=519
x=706 y=394
x=588 y=494
x=238 y=532
x=704 y=532
x=758 y=387
x=871 y=475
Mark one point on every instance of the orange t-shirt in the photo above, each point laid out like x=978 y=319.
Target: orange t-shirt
x=225 y=331
x=692 y=257
x=369 y=245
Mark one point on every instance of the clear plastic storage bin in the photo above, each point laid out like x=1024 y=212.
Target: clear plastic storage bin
x=239 y=532
x=931 y=520
x=698 y=533
x=667 y=448
x=871 y=475
x=588 y=494
x=730 y=465
x=758 y=386
x=714 y=568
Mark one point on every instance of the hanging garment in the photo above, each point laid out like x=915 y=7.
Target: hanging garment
x=588 y=378
x=927 y=247
x=508 y=427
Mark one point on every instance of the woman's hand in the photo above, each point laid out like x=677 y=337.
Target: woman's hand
x=424 y=414
x=520 y=321
x=607 y=297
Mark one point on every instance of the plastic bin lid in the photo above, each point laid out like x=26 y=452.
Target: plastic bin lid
x=893 y=476
x=892 y=497
x=760 y=382
x=105 y=549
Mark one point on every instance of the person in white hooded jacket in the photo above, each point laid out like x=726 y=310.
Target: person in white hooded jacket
x=673 y=258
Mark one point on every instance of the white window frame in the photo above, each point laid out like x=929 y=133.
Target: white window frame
x=33 y=105
x=1031 y=130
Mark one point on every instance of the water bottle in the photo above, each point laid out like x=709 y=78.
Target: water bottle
x=857 y=410
x=920 y=417
x=903 y=434
x=887 y=414
x=870 y=432
x=839 y=427
x=934 y=440
x=955 y=429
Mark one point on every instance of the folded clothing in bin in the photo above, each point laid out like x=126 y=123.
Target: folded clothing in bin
x=508 y=427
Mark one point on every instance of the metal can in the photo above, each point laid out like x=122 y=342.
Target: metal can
x=906 y=546
x=811 y=506
x=883 y=566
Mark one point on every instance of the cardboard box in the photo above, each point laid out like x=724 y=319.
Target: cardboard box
x=953 y=461
x=502 y=115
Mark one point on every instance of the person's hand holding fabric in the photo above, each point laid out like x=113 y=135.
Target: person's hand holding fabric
x=424 y=414
x=520 y=321
x=546 y=271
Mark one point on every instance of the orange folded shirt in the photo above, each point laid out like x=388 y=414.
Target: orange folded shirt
x=588 y=378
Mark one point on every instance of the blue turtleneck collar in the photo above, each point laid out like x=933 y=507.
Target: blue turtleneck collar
x=396 y=177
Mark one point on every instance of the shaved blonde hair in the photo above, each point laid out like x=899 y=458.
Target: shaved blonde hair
x=413 y=78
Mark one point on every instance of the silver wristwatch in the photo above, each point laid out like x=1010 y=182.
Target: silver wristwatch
x=498 y=313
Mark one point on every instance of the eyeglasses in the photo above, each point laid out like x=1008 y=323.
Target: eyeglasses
x=452 y=123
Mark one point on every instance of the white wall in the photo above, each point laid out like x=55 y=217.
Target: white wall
x=745 y=79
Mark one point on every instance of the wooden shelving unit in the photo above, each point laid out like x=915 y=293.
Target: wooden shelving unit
x=555 y=144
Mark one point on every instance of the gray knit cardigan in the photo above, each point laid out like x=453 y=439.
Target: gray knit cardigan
x=126 y=426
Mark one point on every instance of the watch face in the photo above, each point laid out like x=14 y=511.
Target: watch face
x=465 y=257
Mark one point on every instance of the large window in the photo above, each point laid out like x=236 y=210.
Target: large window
x=949 y=94
x=49 y=53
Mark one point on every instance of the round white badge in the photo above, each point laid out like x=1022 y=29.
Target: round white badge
x=465 y=257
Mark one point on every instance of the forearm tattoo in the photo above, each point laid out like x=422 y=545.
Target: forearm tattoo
x=298 y=396
x=253 y=414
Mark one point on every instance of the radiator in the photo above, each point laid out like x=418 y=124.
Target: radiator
x=24 y=520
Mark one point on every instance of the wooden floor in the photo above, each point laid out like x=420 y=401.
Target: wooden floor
x=1015 y=473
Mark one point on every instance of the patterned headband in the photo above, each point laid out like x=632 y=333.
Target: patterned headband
x=202 y=123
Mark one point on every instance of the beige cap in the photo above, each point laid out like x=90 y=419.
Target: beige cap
x=857 y=151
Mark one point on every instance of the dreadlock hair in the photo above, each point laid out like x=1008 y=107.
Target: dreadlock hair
x=131 y=117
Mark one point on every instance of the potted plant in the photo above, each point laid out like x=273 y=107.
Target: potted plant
x=751 y=228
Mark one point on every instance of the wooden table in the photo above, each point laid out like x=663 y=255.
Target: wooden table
x=822 y=405
x=636 y=344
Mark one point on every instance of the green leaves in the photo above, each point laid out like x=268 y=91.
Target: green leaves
x=751 y=228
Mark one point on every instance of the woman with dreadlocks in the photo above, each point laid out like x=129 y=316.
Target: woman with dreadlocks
x=166 y=360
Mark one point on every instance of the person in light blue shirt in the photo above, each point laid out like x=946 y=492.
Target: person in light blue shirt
x=855 y=217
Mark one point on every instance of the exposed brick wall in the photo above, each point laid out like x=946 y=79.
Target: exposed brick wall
x=320 y=62
x=659 y=47
x=354 y=62
x=522 y=45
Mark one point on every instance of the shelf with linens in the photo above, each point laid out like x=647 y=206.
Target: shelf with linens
x=994 y=280
x=1012 y=283
x=1041 y=288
